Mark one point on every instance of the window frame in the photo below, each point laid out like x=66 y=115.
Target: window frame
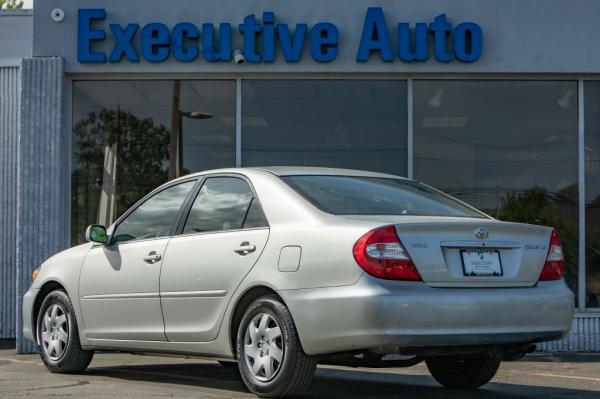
x=142 y=201
x=187 y=207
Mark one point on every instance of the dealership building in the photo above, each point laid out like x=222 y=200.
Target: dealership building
x=496 y=102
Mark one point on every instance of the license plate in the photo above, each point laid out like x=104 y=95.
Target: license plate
x=481 y=262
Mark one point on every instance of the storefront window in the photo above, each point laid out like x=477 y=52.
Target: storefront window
x=123 y=133
x=358 y=124
x=592 y=192
x=507 y=147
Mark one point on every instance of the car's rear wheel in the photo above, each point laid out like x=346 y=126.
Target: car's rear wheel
x=463 y=372
x=58 y=336
x=271 y=361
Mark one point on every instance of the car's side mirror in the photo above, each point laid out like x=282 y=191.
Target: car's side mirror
x=96 y=233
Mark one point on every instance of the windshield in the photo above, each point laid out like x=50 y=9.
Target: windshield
x=352 y=195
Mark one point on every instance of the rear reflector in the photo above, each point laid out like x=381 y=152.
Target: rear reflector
x=381 y=254
x=554 y=268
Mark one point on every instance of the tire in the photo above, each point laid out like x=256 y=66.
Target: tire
x=463 y=373
x=293 y=372
x=58 y=335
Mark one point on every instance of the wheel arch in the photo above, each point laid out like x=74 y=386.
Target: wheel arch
x=46 y=288
x=241 y=304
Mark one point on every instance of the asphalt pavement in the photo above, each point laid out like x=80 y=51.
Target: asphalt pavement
x=133 y=377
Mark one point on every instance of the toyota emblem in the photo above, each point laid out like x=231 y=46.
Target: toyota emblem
x=481 y=233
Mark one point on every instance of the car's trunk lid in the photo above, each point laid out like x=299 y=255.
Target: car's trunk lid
x=447 y=251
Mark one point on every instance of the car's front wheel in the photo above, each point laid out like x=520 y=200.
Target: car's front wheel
x=463 y=372
x=271 y=361
x=58 y=337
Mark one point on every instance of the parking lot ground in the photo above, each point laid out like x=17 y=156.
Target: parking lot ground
x=132 y=377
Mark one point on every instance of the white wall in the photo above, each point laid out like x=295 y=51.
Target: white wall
x=16 y=36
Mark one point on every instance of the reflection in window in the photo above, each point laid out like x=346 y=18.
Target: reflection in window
x=353 y=195
x=592 y=192
x=155 y=217
x=357 y=124
x=208 y=141
x=122 y=135
x=508 y=148
x=221 y=204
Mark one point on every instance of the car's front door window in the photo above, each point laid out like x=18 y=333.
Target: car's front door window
x=155 y=217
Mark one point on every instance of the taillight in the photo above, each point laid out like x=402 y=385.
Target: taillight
x=554 y=268
x=381 y=254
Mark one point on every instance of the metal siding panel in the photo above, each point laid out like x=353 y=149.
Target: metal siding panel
x=9 y=133
x=42 y=194
x=584 y=336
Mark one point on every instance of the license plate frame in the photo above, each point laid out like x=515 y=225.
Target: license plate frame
x=487 y=269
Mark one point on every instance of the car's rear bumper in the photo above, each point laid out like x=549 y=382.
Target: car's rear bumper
x=376 y=313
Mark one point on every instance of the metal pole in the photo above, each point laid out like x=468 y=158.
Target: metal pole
x=174 y=154
x=238 y=122
x=179 y=165
x=409 y=126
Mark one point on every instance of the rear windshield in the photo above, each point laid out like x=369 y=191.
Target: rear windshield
x=350 y=195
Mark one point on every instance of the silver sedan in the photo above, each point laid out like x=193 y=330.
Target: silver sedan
x=278 y=269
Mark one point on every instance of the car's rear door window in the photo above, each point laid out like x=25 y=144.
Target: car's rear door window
x=357 y=195
x=255 y=218
x=223 y=203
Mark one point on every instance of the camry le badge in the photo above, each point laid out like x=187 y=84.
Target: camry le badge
x=481 y=233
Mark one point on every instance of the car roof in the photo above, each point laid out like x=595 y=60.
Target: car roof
x=308 y=170
x=295 y=171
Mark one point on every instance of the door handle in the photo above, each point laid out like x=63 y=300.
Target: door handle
x=245 y=248
x=152 y=257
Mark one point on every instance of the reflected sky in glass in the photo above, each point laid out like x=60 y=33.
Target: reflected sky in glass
x=156 y=216
x=358 y=124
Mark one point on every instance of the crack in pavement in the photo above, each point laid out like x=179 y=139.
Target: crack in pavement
x=8 y=359
x=76 y=384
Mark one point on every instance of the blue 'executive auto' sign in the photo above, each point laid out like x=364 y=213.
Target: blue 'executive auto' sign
x=187 y=42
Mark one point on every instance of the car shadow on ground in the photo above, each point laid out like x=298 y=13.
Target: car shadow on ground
x=333 y=383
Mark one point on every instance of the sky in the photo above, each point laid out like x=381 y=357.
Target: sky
x=28 y=4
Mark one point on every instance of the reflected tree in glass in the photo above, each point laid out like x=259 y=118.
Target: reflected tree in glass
x=593 y=252
x=115 y=144
x=539 y=206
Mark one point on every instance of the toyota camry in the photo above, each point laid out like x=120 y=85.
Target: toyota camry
x=277 y=269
